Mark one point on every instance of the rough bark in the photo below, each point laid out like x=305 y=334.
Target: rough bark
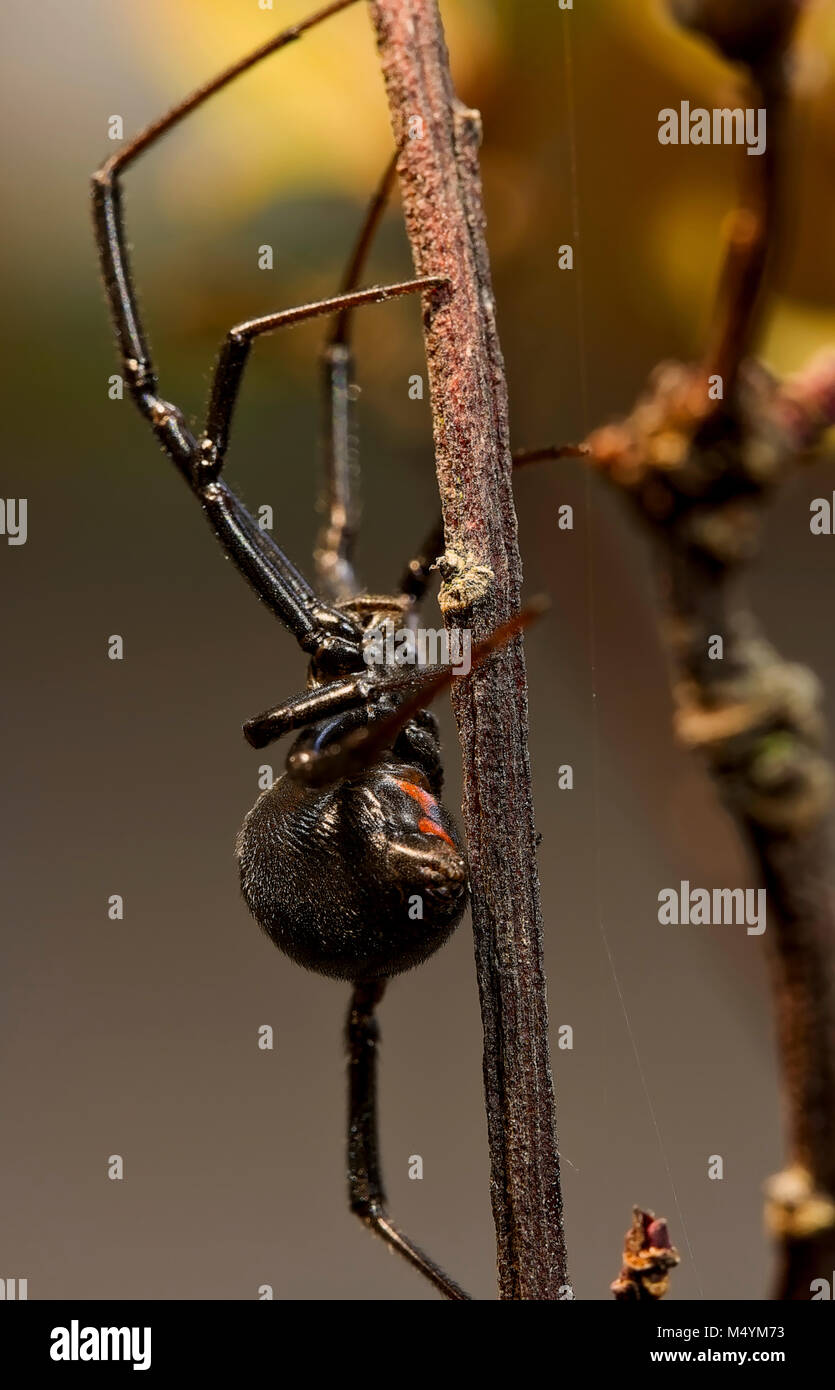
x=481 y=569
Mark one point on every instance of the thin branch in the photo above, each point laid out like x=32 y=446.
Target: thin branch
x=752 y=237
x=756 y=719
x=699 y=473
x=756 y=34
x=482 y=573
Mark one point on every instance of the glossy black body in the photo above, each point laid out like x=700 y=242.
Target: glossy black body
x=361 y=879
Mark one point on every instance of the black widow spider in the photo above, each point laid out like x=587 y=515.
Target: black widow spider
x=336 y=855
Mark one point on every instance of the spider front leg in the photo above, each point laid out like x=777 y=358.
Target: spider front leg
x=236 y=348
x=257 y=556
x=334 y=553
x=365 y=1186
x=319 y=628
x=387 y=705
x=418 y=573
x=299 y=711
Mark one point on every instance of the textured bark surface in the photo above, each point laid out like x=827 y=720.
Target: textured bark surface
x=481 y=570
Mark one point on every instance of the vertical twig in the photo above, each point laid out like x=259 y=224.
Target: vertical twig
x=756 y=720
x=699 y=475
x=482 y=573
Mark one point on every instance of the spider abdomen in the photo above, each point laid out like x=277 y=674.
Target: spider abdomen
x=358 y=880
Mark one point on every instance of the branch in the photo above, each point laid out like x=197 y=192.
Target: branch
x=482 y=580
x=755 y=718
x=698 y=474
x=756 y=34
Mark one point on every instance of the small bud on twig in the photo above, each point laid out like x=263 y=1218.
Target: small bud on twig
x=648 y=1257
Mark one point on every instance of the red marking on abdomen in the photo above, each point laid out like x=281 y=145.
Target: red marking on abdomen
x=431 y=827
x=428 y=823
x=423 y=798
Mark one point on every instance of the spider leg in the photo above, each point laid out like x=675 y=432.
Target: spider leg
x=520 y=458
x=350 y=755
x=261 y=561
x=419 y=743
x=177 y=113
x=365 y=1186
x=317 y=627
x=389 y=703
x=418 y=573
x=334 y=697
x=375 y=699
x=340 y=500
x=236 y=348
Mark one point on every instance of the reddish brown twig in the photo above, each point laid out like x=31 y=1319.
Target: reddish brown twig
x=482 y=576
x=753 y=226
x=756 y=719
x=699 y=472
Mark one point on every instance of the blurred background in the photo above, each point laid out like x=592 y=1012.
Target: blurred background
x=139 y=1037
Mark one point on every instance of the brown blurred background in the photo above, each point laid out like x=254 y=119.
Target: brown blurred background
x=139 y=1037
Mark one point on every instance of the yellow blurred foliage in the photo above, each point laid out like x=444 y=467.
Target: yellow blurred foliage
x=683 y=248
x=310 y=116
x=694 y=63
x=686 y=228
x=794 y=333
